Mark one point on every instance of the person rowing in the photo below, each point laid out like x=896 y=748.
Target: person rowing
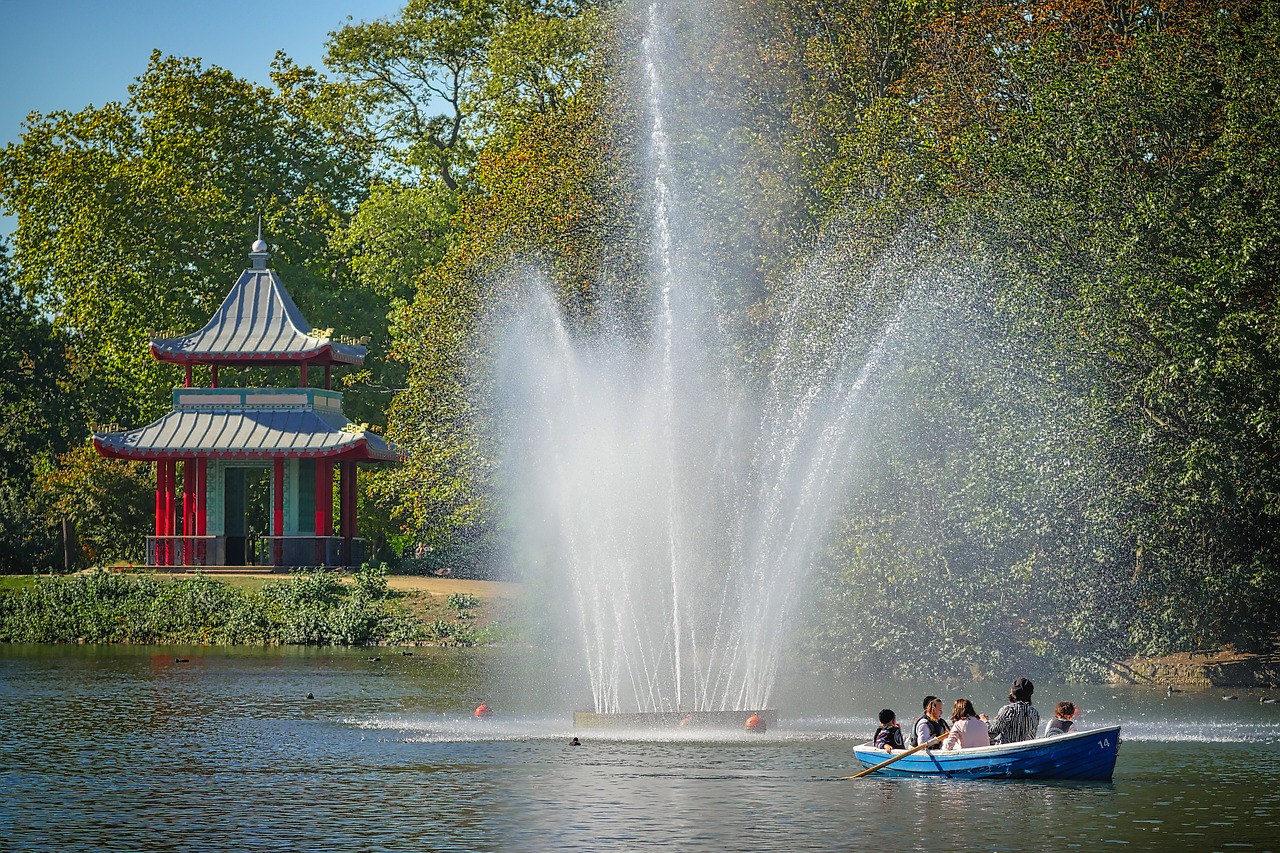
x=930 y=724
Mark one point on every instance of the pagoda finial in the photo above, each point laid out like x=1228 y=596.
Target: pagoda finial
x=260 y=253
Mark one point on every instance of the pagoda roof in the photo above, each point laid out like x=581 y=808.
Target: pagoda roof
x=243 y=423
x=257 y=323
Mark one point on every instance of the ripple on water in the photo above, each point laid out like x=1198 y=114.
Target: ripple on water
x=107 y=752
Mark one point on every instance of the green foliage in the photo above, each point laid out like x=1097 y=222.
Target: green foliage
x=556 y=195
x=1075 y=460
x=428 y=89
x=38 y=419
x=137 y=215
x=462 y=603
x=1110 y=181
x=371 y=581
x=110 y=502
x=397 y=233
x=314 y=608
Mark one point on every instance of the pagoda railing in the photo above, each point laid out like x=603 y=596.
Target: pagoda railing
x=186 y=551
x=329 y=551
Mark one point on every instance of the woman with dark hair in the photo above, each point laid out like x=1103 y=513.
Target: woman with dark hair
x=1016 y=721
x=968 y=728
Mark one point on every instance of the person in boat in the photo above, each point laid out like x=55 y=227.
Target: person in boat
x=930 y=724
x=968 y=727
x=889 y=736
x=1017 y=721
x=1064 y=720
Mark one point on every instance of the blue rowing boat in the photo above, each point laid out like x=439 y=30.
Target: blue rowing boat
x=1089 y=755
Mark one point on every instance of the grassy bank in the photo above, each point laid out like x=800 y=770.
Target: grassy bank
x=315 y=608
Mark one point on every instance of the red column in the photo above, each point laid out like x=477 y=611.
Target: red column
x=277 y=511
x=167 y=474
x=324 y=498
x=173 y=497
x=186 y=497
x=202 y=496
x=354 y=529
x=328 y=377
x=188 y=384
x=202 y=501
x=213 y=376
x=277 y=508
x=342 y=499
x=159 y=497
x=168 y=497
x=302 y=374
x=188 y=509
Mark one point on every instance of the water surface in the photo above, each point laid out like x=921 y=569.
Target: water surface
x=125 y=748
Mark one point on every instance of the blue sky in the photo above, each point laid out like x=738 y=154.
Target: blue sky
x=67 y=54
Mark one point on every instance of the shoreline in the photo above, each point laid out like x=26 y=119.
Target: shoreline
x=1218 y=668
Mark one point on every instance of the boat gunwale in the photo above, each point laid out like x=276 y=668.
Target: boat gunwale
x=994 y=749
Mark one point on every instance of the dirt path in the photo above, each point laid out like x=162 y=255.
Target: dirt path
x=410 y=583
x=444 y=586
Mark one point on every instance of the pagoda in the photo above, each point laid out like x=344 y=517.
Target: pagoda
x=207 y=447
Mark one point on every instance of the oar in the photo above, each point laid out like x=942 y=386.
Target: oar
x=900 y=756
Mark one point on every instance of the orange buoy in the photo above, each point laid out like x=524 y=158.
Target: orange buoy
x=483 y=711
x=755 y=723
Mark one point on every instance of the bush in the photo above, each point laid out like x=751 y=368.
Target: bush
x=314 y=608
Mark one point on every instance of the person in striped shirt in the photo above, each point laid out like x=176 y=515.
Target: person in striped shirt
x=1017 y=721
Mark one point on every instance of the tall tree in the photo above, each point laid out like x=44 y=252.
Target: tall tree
x=426 y=89
x=136 y=216
x=1101 y=160
x=39 y=418
x=447 y=96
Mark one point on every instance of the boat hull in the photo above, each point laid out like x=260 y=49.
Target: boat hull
x=1089 y=755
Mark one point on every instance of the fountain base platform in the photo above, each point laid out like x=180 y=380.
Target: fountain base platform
x=657 y=720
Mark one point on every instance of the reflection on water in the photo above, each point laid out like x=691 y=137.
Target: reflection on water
x=128 y=749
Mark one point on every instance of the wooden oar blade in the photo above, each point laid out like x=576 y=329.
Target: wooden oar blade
x=897 y=757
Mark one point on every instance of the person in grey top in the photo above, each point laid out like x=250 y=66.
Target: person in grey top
x=930 y=724
x=1017 y=721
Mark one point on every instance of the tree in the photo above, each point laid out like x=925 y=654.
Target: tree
x=559 y=199
x=34 y=423
x=1103 y=163
x=424 y=90
x=137 y=216
x=444 y=87
x=110 y=503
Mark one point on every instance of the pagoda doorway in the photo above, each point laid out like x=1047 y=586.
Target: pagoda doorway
x=246 y=511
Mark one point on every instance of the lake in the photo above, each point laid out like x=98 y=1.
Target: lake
x=126 y=748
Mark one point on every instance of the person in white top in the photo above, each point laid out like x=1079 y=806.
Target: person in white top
x=968 y=727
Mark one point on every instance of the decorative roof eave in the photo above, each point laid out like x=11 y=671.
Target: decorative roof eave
x=360 y=451
x=258 y=322
x=288 y=433
x=325 y=352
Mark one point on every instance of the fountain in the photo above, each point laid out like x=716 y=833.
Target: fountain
x=675 y=501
